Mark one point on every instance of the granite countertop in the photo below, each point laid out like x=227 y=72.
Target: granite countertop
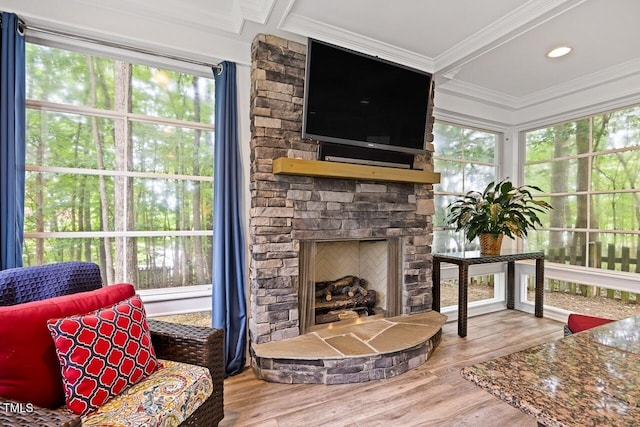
x=590 y=378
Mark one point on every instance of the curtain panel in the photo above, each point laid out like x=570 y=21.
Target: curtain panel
x=228 y=306
x=12 y=141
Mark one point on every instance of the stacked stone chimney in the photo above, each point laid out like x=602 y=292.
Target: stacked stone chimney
x=286 y=209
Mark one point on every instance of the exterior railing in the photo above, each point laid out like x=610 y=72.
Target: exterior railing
x=611 y=259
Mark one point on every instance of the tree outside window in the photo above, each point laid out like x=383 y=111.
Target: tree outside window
x=590 y=167
x=119 y=168
x=466 y=160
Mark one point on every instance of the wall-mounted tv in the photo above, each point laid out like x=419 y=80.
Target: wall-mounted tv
x=355 y=99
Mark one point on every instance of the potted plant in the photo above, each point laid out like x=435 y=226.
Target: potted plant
x=501 y=209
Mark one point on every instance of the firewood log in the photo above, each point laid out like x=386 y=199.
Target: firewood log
x=324 y=290
x=342 y=302
x=328 y=289
x=335 y=316
x=357 y=289
x=344 y=290
x=345 y=281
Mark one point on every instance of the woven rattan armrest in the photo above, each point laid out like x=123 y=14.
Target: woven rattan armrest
x=195 y=345
x=181 y=343
x=13 y=414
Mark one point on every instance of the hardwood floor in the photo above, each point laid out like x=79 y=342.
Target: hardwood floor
x=433 y=394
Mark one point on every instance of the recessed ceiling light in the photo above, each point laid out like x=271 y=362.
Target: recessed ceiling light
x=558 y=52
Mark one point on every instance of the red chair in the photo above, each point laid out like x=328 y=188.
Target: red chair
x=581 y=322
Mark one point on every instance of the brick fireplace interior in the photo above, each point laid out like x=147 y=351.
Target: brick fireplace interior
x=294 y=217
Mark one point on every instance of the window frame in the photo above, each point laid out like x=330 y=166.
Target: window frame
x=590 y=155
x=496 y=163
x=159 y=301
x=616 y=280
x=449 y=271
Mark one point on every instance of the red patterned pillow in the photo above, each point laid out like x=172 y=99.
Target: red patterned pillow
x=102 y=353
x=29 y=367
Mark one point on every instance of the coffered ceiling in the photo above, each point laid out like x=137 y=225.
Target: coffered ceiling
x=490 y=50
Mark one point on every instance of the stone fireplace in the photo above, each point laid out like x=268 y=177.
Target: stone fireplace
x=289 y=213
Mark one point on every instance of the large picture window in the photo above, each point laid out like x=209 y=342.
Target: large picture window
x=119 y=168
x=589 y=168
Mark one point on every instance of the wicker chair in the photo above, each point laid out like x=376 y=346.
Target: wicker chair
x=198 y=346
x=172 y=341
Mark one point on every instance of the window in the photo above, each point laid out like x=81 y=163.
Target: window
x=119 y=168
x=589 y=168
x=466 y=160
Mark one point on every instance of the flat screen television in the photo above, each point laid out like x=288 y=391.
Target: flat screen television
x=353 y=99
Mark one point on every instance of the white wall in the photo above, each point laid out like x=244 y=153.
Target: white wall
x=106 y=21
x=453 y=107
x=548 y=107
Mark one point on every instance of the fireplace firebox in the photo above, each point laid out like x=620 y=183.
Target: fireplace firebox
x=349 y=279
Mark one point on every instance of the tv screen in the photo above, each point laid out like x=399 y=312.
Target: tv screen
x=356 y=99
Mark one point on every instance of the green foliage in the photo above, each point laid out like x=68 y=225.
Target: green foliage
x=460 y=143
x=81 y=143
x=501 y=208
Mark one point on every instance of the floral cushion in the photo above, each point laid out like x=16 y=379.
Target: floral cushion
x=164 y=399
x=102 y=353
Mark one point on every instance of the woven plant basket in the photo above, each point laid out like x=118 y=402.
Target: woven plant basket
x=490 y=245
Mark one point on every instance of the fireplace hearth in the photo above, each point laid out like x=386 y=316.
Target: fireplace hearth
x=351 y=353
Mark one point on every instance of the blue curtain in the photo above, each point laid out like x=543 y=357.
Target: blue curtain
x=12 y=141
x=229 y=310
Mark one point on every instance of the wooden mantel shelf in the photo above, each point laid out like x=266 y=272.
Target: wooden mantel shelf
x=288 y=166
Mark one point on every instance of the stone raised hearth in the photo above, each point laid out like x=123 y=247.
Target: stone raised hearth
x=289 y=211
x=351 y=353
